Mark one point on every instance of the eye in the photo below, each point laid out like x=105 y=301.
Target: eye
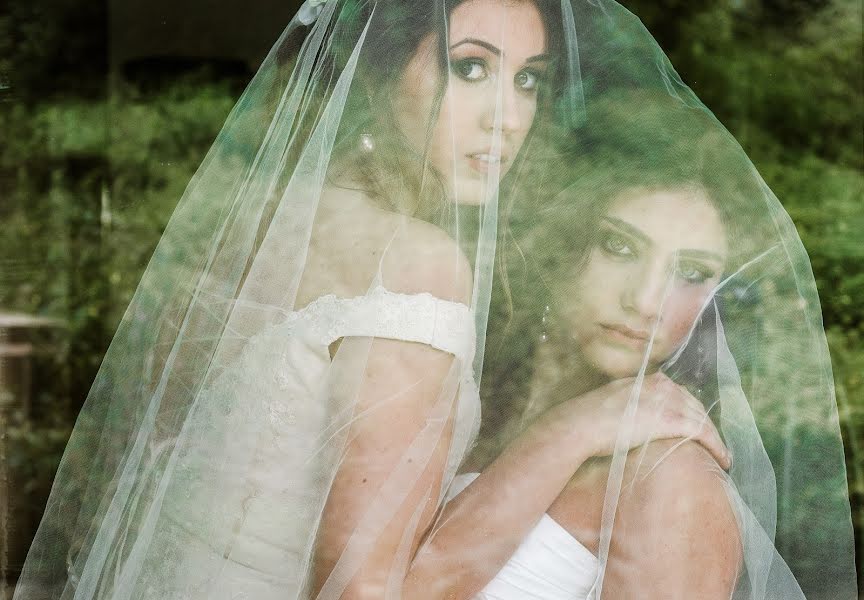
x=528 y=79
x=694 y=273
x=617 y=245
x=470 y=69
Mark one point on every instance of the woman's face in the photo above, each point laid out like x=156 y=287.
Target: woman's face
x=497 y=57
x=657 y=258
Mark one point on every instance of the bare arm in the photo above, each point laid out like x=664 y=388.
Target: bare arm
x=481 y=528
x=400 y=390
x=386 y=489
x=675 y=535
x=484 y=525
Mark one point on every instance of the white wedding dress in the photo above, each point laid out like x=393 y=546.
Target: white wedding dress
x=243 y=532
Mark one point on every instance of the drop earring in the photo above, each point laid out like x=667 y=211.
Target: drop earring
x=544 y=334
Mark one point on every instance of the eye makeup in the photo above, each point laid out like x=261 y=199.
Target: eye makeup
x=470 y=69
x=622 y=246
x=476 y=68
x=616 y=244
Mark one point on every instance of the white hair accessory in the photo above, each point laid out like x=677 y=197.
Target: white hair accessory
x=310 y=11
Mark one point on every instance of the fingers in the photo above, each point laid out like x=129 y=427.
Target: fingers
x=667 y=410
x=707 y=433
x=686 y=416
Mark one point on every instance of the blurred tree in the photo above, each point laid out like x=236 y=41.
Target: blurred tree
x=90 y=171
x=790 y=78
x=54 y=48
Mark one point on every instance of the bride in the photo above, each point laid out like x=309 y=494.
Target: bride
x=293 y=388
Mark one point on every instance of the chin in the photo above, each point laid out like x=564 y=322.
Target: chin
x=472 y=191
x=617 y=363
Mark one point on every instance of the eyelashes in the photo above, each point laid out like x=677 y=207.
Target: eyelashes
x=470 y=69
x=476 y=69
x=694 y=273
x=615 y=244
x=621 y=247
x=528 y=79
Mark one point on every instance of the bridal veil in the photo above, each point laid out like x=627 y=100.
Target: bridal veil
x=376 y=156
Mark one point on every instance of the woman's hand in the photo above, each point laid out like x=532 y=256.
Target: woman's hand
x=664 y=410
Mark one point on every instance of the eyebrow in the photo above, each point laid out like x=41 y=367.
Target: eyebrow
x=494 y=50
x=628 y=228
x=704 y=254
x=633 y=231
x=538 y=58
x=480 y=43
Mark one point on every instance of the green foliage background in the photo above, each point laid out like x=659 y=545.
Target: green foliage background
x=90 y=172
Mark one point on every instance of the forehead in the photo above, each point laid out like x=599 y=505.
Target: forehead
x=674 y=219
x=515 y=27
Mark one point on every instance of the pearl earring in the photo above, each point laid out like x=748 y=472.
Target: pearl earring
x=367 y=142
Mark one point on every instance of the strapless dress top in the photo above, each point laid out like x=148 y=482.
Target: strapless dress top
x=550 y=564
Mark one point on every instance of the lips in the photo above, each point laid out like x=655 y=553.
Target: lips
x=622 y=333
x=483 y=161
x=485 y=156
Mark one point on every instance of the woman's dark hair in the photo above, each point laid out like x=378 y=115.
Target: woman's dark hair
x=555 y=225
x=393 y=173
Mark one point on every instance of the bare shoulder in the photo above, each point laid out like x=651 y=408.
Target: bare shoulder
x=669 y=483
x=421 y=257
x=353 y=240
x=681 y=478
x=662 y=470
x=675 y=533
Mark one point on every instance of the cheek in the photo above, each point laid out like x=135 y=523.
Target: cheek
x=449 y=138
x=607 y=280
x=589 y=292
x=682 y=308
x=414 y=98
x=527 y=115
x=590 y=289
x=456 y=130
x=445 y=134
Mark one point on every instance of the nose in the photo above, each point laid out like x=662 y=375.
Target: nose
x=506 y=101
x=645 y=292
x=511 y=120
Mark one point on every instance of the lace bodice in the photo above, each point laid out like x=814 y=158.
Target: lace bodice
x=420 y=318
x=249 y=481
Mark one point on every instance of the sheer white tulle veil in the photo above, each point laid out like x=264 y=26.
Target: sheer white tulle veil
x=384 y=195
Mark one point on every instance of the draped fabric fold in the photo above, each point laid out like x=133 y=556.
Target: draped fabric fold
x=460 y=284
